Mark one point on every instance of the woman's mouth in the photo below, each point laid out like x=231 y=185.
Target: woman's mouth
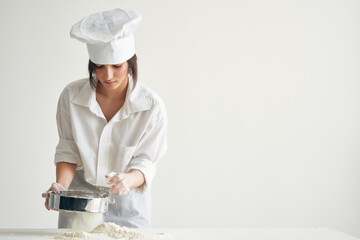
x=109 y=82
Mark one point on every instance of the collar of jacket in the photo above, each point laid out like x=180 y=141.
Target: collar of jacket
x=135 y=101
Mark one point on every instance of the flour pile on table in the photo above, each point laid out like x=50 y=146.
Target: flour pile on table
x=83 y=221
x=110 y=231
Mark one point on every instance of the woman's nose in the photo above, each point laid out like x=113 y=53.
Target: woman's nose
x=108 y=73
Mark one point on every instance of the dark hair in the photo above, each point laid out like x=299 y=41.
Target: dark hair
x=133 y=71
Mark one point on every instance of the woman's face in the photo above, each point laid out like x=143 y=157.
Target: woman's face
x=112 y=76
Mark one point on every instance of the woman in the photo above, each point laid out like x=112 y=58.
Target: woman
x=109 y=123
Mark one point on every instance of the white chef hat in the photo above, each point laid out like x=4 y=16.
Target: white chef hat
x=108 y=35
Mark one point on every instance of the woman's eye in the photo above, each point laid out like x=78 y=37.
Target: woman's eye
x=117 y=66
x=99 y=66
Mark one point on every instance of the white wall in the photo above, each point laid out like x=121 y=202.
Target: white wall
x=263 y=99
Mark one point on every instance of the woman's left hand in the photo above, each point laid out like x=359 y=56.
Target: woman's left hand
x=119 y=183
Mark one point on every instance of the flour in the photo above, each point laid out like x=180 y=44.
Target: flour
x=80 y=221
x=110 y=231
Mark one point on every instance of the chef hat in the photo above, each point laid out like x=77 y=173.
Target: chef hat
x=108 y=35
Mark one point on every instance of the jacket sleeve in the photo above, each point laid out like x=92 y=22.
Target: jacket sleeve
x=150 y=149
x=66 y=150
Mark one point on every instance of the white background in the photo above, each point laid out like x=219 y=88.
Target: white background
x=263 y=100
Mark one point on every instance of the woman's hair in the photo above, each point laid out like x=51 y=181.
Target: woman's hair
x=133 y=71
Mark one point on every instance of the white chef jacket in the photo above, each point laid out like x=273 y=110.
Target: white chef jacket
x=135 y=138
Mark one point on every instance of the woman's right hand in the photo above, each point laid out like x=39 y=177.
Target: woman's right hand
x=55 y=187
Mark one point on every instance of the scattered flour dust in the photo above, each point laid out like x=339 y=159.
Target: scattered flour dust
x=110 y=231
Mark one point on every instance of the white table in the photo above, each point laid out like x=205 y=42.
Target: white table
x=203 y=234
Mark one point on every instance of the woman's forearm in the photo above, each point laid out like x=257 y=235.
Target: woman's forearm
x=65 y=173
x=136 y=178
